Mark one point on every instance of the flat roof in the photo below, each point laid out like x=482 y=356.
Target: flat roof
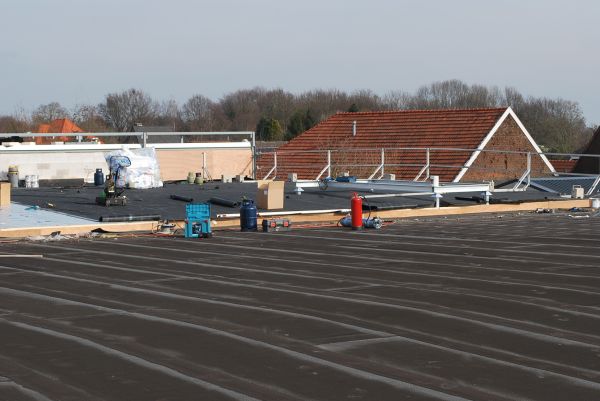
x=80 y=201
x=494 y=307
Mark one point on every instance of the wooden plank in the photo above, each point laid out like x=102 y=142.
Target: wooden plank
x=4 y=194
x=23 y=232
x=231 y=223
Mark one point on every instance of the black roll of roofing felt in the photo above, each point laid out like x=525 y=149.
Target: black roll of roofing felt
x=182 y=198
x=224 y=202
x=121 y=219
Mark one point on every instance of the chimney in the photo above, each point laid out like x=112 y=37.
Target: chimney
x=354 y=128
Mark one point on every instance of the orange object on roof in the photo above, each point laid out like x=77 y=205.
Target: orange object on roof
x=58 y=126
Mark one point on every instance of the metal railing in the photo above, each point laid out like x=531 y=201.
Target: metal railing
x=371 y=163
x=142 y=137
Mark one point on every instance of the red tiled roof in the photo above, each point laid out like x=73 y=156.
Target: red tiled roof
x=564 y=166
x=464 y=129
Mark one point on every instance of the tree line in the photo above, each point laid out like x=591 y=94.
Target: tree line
x=277 y=115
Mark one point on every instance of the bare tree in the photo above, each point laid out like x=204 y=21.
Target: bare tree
x=241 y=108
x=556 y=123
x=200 y=114
x=48 y=112
x=88 y=118
x=169 y=114
x=9 y=124
x=122 y=110
x=396 y=100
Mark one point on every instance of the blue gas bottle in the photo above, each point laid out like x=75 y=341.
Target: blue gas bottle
x=98 y=177
x=248 y=216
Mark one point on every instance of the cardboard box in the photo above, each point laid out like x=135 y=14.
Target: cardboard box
x=269 y=194
x=4 y=194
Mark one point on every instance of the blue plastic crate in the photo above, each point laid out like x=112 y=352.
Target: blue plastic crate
x=197 y=220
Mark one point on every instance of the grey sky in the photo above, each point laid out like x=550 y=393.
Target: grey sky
x=76 y=51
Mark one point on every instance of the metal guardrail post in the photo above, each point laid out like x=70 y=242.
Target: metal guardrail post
x=525 y=177
x=425 y=168
x=380 y=167
x=528 y=169
x=253 y=135
x=427 y=163
x=274 y=168
x=144 y=139
x=327 y=167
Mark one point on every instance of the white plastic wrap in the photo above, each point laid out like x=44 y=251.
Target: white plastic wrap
x=144 y=171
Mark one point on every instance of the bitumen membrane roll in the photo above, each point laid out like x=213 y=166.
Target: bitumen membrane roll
x=182 y=198
x=224 y=202
x=121 y=219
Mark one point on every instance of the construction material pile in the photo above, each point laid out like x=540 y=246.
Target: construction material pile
x=144 y=171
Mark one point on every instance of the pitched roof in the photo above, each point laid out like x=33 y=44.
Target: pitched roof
x=463 y=128
x=563 y=166
x=59 y=126
x=590 y=165
x=43 y=128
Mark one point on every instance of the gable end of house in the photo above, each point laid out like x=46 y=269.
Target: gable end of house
x=508 y=133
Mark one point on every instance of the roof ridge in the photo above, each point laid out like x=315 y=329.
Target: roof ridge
x=421 y=110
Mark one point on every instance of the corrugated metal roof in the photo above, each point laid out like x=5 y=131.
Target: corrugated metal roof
x=563 y=185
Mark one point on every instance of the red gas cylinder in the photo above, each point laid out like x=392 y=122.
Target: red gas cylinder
x=356 y=212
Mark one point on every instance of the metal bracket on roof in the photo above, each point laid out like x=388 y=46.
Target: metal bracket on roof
x=525 y=177
x=425 y=168
x=381 y=166
x=326 y=168
x=274 y=168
